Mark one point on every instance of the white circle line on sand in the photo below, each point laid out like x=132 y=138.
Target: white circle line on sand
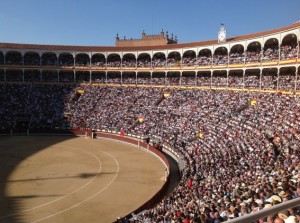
x=87 y=199
x=67 y=195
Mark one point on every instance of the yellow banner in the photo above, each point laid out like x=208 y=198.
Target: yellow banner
x=79 y=91
x=253 y=102
x=166 y=95
x=140 y=119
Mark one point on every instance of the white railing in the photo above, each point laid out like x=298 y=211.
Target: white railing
x=266 y=212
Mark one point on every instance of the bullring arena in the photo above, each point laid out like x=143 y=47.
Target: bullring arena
x=227 y=111
x=75 y=179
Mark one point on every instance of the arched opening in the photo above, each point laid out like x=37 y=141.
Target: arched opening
x=129 y=60
x=174 y=59
x=220 y=56
x=144 y=60
x=253 y=52
x=66 y=59
x=114 y=60
x=1 y=58
x=98 y=60
x=204 y=57
x=32 y=59
x=288 y=48
x=237 y=54
x=188 y=58
x=82 y=60
x=159 y=60
x=49 y=59
x=270 y=52
x=13 y=58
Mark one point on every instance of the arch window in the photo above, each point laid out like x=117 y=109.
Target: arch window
x=49 y=59
x=129 y=60
x=237 y=54
x=82 y=60
x=159 y=60
x=114 y=60
x=220 y=56
x=289 y=47
x=66 y=59
x=253 y=52
x=270 y=52
x=13 y=58
x=189 y=58
x=98 y=60
x=204 y=57
x=144 y=60
x=1 y=58
x=174 y=59
x=32 y=59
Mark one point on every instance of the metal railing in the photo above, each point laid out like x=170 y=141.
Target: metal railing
x=266 y=212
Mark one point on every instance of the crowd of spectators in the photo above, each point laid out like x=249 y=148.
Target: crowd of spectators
x=240 y=149
x=270 y=54
x=288 y=51
x=220 y=59
x=237 y=58
x=253 y=56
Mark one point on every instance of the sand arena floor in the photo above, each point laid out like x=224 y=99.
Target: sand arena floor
x=73 y=179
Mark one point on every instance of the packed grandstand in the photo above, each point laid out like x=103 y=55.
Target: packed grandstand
x=230 y=111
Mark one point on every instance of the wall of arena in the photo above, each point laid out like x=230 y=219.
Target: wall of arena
x=266 y=61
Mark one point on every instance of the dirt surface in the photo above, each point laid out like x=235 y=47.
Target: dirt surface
x=73 y=179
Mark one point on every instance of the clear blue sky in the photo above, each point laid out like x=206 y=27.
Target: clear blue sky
x=96 y=22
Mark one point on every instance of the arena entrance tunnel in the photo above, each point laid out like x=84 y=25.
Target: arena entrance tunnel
x=11 y=207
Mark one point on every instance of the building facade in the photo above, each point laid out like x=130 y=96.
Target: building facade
x=267 y=60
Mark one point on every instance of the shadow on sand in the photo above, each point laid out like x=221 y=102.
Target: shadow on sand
x=10 y=158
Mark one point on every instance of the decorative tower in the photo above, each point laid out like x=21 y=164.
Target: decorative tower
x=222 y=34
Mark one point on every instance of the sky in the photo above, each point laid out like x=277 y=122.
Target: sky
x=96 y=22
